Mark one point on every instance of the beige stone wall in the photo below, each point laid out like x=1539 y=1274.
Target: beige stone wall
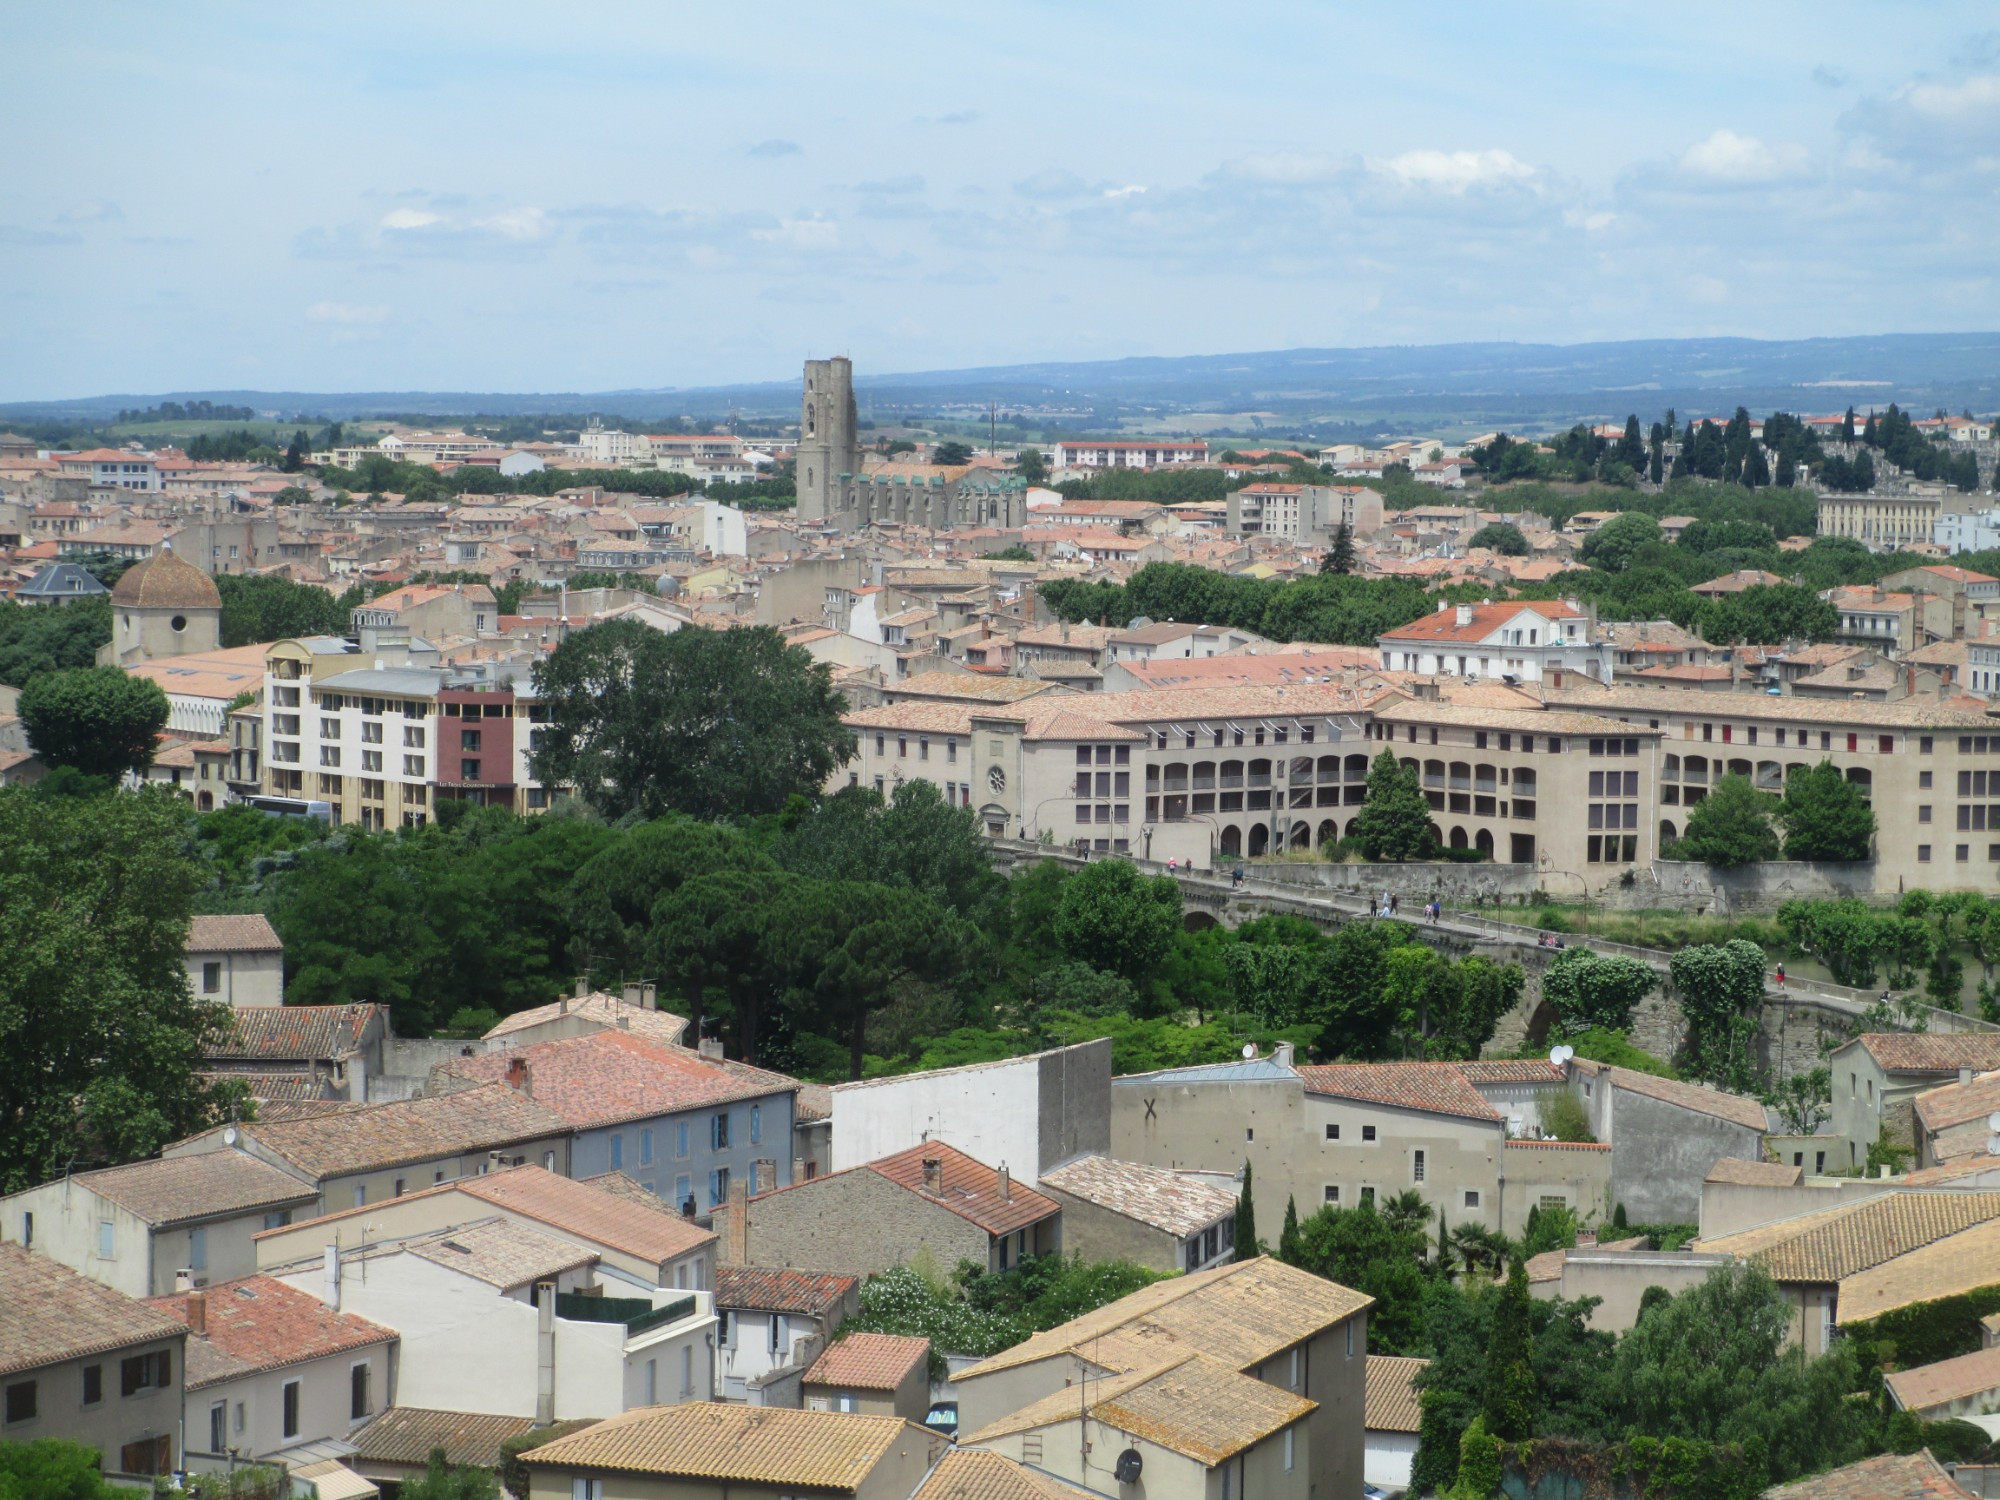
x=1099 y=1234
x=109 y=1424
x=857 y=1223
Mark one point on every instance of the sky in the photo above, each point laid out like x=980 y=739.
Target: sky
x=523 y=197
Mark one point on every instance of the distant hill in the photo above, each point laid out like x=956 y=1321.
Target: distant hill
x=1518 y=385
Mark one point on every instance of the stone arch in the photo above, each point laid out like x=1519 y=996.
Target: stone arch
x=1458 y=838
x=1862 y=780
x=1483 y=842
x=1355 y=768
x=205 y=802
x=1329 y=832
x=1739 y=768
x=1302 y=770
x=1194 y=919
x=1260 y=840
x=1437 y=834
x=1232 y=841
x=1300 y=837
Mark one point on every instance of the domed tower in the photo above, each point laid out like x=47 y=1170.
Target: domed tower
x=163 y=606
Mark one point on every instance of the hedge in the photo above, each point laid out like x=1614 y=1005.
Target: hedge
x=1925 y=1332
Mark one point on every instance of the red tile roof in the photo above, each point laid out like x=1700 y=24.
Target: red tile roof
x=613 y=1076
x=294 y=1033
x=1437 y=1087
x=262 y=1324
x=617 y=1222
x=757 y=1289
x=1486 y=618
x=1932 y=1051
x=49 y=1313
x=970 y=1189
x=869 y=1361
x=234 y=934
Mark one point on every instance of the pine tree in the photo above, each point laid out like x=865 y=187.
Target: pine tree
x=1395 y=817
x=1246 y=1220
x=1864 y=471
x=1756 y=470
x=1847 y=426
x=1631 y=448
x=1340 y=556
x=295 y=455
x=1288 y=1236
x=1508 y=1403
x=1872 y=433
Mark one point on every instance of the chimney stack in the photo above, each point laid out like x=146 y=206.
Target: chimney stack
x=735 y=1228
x=1283 y=1055
x=1463 y=614
x=711 y=1048
x=631 y=992
x=582 y=985
x=1965 y=1075
x=1006 y=1184
x=520 y=1078
x=933 y=1175
x=649 y=995
x=545 y=1353
x=197 y=1313
x=332 y=1265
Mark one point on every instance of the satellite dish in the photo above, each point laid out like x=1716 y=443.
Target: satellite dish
x=1560 y=1055
x=229 y=1135
x=1250 y=1053
x=1129 y=1466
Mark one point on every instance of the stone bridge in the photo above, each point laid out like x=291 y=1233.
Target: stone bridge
x=1799 y=1021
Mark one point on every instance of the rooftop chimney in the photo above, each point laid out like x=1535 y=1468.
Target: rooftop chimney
x=1006 y=1184
x=582 y=985
x=649 y=995
x=332 y=1294
x=1283 y=1055
x=197 y=1313
x=631 y=992
x=933 y=1175
x=711 y=1047
x=1965 y=1075
x=1464 y=614
x=519 y=1077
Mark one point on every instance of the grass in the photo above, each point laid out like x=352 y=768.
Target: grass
x=1664 y=930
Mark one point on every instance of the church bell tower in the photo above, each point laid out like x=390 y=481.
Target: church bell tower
x=827 y=444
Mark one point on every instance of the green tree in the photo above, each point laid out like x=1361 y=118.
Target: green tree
x=1721 y=989
x=1825 y=816
x=1288 y=1234
x=951 y=454
x=1615 y=544
x=1373 y=1254
x=1246 y=1220
x=1508 y=1404
x=1500 y=536
x=1565 y=1118
x=1593 y=991
x=444 y=1480
x=1340 y=556
x=727 y=723
x=36 y=639
x=1803 y=1101
x=1767 y=614
x=1113 y=918
x=917 y=840
x=104 y=1037
x=1730 y=826
x=54 y=1469
x=1031 y=466
x=1395 y=820
x=96 y=719
x=264 y=607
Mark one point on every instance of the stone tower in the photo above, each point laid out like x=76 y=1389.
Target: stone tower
x=163 y=606
x=827 y=443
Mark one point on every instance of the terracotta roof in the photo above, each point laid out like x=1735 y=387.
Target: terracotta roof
x=49 y=1313
x=1956 y=1103
x=294 y=1033
x=258 y=1323
x=1392 y=1396
x=1734 y=1169
x=1890 y=1476
x=607 y=1010
x=1193 y=1405
x=237 y=934
x=172 y=1189
x=981 y=1474
x=1947 y=1380
x=1485 y=619
x=1655 y=701
x=1832 y=1244
x=1510 y=1070
x=1533 y=1145
x=755 y=1289
x=614 y=1076
x=1970 y=1165
x=164 y=581
x=748 y=1444
x=1180 y=1203
x=409 y=1130
x=1434 y=1087
x=406 y=1435
x=1734 y=1108
x=1946 y=1267
x=1931 y=1051
x=1548 y=1266
x=869 y=1361
x=654 y=1233
x=970 y=1188
x=1241 y=1313
x=500 y=1253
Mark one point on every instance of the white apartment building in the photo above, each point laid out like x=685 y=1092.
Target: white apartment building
x=1524 y=641
x=1107 y=453
x=115 y=468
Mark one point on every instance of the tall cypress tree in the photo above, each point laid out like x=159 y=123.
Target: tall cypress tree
x=1288 y=1236
x=1340 y=556
x=1847 y=426
x=1508 y=1401
x=1246 y=1220
x=1631 y=448
x=1756 y=470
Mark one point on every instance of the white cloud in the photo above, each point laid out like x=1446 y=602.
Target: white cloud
x=815 y=233
x=1130 y=191
x=1975 y=101
x=1742 y=160
x=516 y=223
x=410 y=218
x=347 y=314
x=1455 y=171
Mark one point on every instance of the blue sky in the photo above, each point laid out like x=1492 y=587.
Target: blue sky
x=506 y=196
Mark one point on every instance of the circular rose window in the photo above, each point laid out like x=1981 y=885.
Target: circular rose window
x=997 y=780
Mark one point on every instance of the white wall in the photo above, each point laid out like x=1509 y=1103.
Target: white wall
x=1386 y=1458
x=325 y=1403
x=246 y=978
x=66 y=1219
x=990 y=1112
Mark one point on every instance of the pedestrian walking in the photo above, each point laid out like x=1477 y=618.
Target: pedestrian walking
x=1236 y=879
x=1781 y=976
